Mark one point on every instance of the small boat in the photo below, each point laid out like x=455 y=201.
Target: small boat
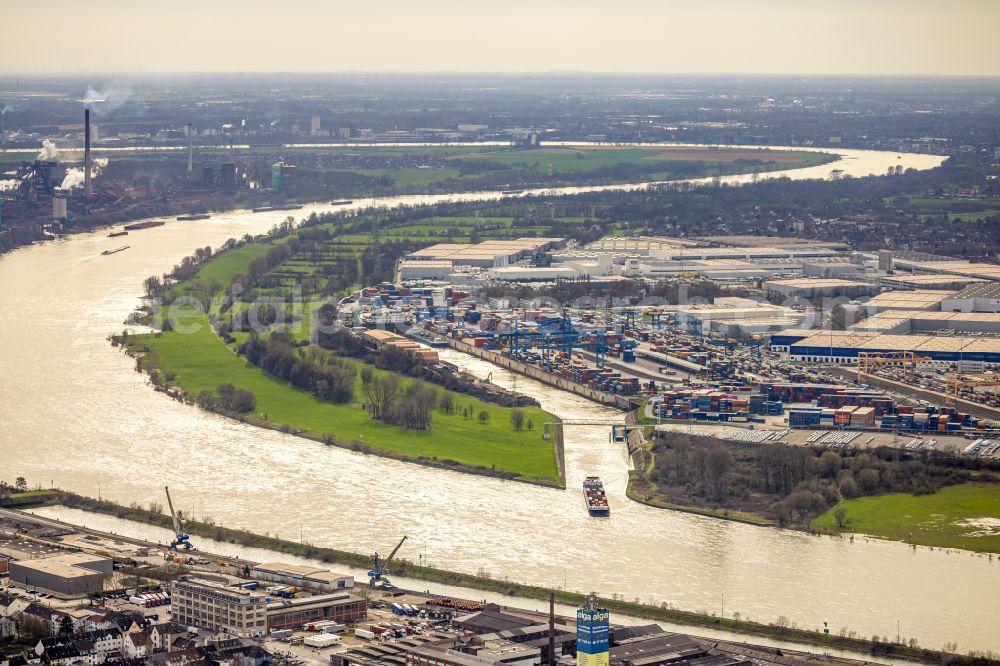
x=341 y=202
x=115 y=251
x=594 y=497
x=188 y=218
x=116 y=234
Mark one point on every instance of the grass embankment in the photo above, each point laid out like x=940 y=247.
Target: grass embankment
x=966 y=516
x=405 y=568
x=199 y=362
x=30 y=497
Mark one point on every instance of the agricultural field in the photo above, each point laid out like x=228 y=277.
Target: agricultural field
x=963 y=209
x=965 y=516
x=199 y=361
x=571 y=159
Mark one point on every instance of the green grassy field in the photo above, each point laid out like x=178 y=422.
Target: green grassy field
x=577 y=159
x=964 y=217
x=965 y=516
x=201 y=362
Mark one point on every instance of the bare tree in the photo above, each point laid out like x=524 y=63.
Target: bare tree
x=517 y=419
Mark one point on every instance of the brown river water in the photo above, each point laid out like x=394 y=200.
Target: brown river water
x=75 y=414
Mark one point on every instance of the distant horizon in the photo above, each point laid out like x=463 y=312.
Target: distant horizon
x=471 y=73
x=651 y=37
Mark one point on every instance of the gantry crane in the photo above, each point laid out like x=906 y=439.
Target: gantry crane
x=958 y=382
x=867 y=361
x=181 y=539
x=376 y=577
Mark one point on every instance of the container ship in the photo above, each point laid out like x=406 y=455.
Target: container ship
x=593 y=495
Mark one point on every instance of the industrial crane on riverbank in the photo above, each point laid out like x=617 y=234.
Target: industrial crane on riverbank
x=376 y=577
x=181 y=539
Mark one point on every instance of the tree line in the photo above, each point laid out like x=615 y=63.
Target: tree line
x=310 y=369
x=788 y=484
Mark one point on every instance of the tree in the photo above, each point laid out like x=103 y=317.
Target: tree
x=380 y=391
x=868 y=480
x=32 y=628
x=446 y=403
x=152 y=285
x=517 y=419
x=848 y=487
x=232 y=399
x=484 y=416
x=21 y=484
x=840 y=515
x=829 y=464
x=717 y=464
x=66 y=626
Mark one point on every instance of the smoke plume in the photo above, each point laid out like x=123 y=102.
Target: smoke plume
x=107 y=101
x=49 y=152
x=5 y=109
x=74 y=175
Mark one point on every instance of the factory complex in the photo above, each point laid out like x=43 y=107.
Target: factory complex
x=206 y=615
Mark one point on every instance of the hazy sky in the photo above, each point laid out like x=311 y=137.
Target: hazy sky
x=672 y=36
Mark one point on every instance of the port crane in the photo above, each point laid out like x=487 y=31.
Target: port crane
x=558 y=335
x=376 y=576
x=959 y=383
x=181 y=539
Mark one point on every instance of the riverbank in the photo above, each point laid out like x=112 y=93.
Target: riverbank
x=576 y=165
x=781 y=630
x=186 y=365
x=965 y=517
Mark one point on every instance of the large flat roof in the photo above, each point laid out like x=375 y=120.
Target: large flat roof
x=917 y=298
x=816 y=283
x=915 y=343
x=68 y=565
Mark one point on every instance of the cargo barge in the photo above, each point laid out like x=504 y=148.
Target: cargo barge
x=144 y=225
x=342 y=202
x=189 y=218
x=115 y=251
x=426 y=338
x=116 y=234
x=595 y=498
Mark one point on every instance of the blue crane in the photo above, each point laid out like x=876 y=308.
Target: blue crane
x=181 y=539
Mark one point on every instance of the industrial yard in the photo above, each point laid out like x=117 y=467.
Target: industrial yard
x=304 y=624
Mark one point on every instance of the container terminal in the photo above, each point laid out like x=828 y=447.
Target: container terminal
x=913 y=355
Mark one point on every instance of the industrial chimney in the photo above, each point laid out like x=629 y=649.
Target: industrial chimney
x=86 y=153
x=552 y=628
x=190 y=150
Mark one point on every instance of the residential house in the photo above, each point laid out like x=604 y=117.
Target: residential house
x=136 y=645
x=7 y=627
x=50 y=616
x=164 y=634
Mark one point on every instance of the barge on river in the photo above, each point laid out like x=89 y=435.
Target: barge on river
x=595 y=497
